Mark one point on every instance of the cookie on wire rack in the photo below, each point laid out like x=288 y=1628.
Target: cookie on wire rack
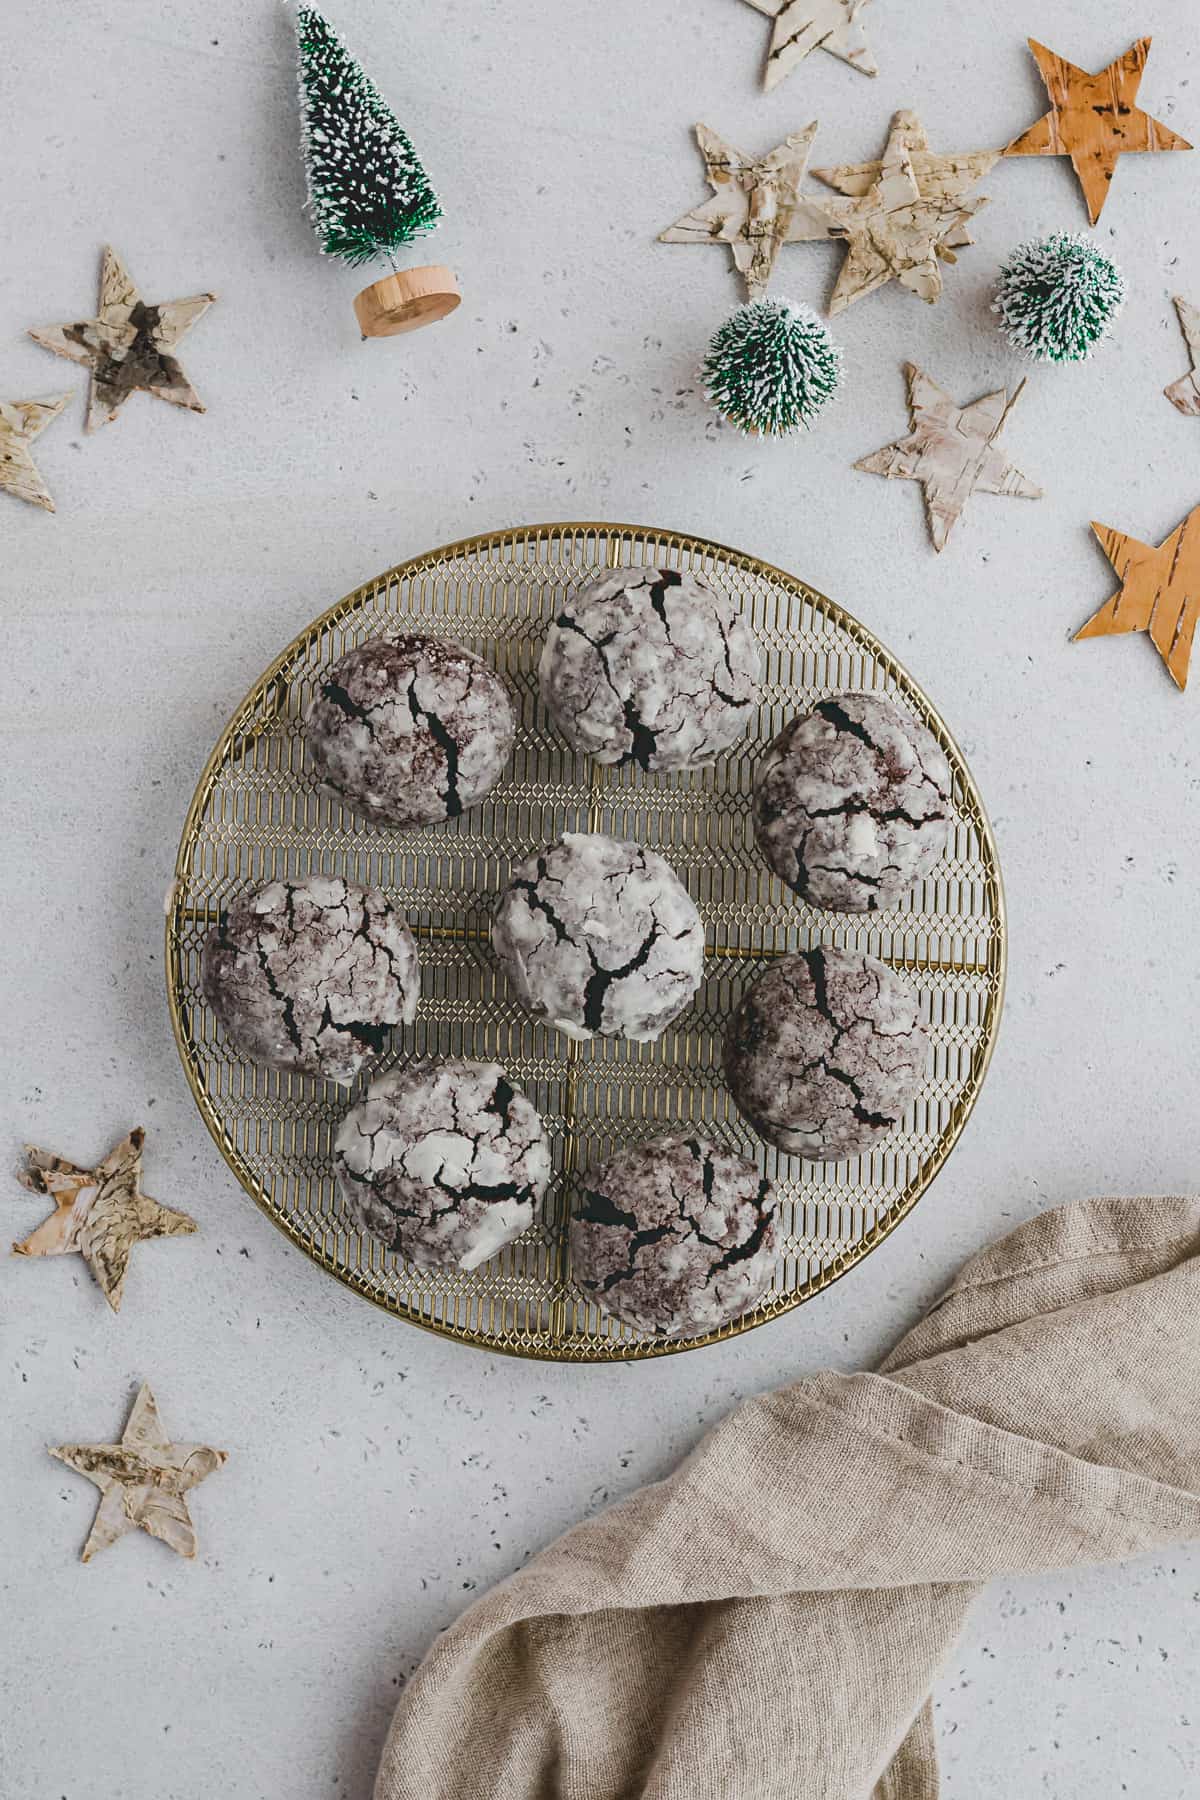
x=410 y=730
x=825 y=1052
x=651 y=667
x=600 y=938
x=852 y=803
x=311 y=976
x=443 y=1162
x=676 y=1236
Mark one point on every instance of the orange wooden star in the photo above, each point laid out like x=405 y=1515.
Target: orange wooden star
x=1159 y=592
x=1093 y=119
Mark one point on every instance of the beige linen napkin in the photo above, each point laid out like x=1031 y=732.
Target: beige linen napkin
x=766 y=1624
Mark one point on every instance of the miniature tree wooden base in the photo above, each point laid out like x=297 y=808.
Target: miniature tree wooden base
x=406 y=300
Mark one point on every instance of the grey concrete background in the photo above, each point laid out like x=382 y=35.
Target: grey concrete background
x=379 y=1477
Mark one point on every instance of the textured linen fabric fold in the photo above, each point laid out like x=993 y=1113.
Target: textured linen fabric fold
x=767 y=1623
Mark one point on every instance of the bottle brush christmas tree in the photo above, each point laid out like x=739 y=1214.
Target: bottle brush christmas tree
x=772 y=367
x=1058 y=298
x=368 y=193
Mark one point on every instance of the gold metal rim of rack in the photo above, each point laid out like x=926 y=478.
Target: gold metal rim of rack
x=612 y=544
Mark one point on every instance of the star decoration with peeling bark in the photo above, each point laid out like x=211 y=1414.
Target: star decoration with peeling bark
x=1159 y=592
x=901 y=215
x=128 y=345
x=1093 y=119
x=949 y=176
x=143 y=1481
x=1185 y=393
x=20 y=422
x=802 y=26
x=101 y=1213
x=756 y=206
x=953 y=451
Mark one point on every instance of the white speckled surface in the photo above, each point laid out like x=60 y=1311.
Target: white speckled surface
x=377 y=1476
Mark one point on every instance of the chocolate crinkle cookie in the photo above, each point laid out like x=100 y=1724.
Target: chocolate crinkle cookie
x=825 y=1052
x=410 y=730
x=600 y=937
x=852 y=803
x=311 y=976
x=443 y=1162
x=675 y=1236
x=651 y=667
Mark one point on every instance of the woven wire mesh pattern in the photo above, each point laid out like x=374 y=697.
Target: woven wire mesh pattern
x=257 y=816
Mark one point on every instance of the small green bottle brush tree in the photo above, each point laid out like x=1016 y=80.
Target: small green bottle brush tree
x=368 y=193
x=1059 y=298
x=772 y=367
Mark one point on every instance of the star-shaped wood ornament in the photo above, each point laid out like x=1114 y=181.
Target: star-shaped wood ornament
x=756 y=205
x=128 y=345
x=1185 y=393
x=1159 y=592
x=143 y=1481
x=802 y=26
x=20 y=422
x=902 y=215
x=953 y=451
x=101 y=1213
x=1093 y=119
x=939 y=176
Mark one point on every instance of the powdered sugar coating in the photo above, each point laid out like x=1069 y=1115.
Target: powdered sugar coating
x=599 y=936
x=825 y=1053
x=443 y=1162
x=675 y=1236
x=651 y=667
x=311 y=976
x=410 y=730
x=852 y=803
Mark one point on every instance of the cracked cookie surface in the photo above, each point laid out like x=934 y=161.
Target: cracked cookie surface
x=852 y=803
x=651 y=667
x=599 y=937
x=676 y=1236
x=311 y=976
x=825 y=1052
x=410 y=730
x=444 y=1162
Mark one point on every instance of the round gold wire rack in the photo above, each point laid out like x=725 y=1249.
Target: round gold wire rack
x=257 y=816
